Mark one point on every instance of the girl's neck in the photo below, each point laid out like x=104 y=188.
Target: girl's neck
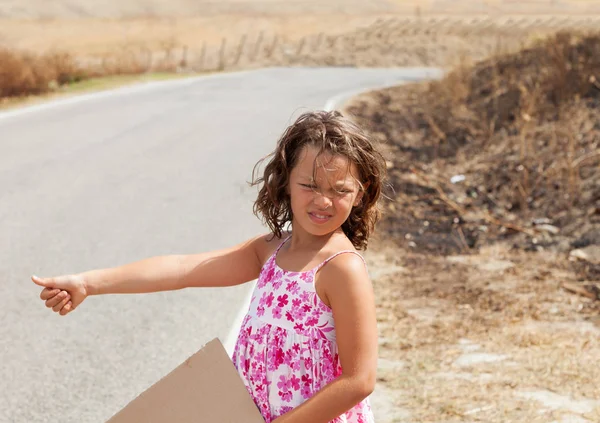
x=302 y=240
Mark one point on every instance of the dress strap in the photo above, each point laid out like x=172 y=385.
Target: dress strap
x=337 y=254
x=281 y=245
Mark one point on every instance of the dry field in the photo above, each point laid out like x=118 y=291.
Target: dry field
x=92 y=27
x=488 y=269
x=209 y=45
x=487 y=337
x=61 y=9
x=45 y=45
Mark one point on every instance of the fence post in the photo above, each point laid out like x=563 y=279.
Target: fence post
x=148 y=60
x=168 y=59
x=240 y=50
x=221 y=64
x=331 y=40
x=257 y=46
x=202 y=56
x=318 y=41
x=273 y=46
x=300 y=46
x=184 y=61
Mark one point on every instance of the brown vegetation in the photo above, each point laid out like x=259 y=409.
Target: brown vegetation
x=26 y=74
x=521 y=134
x=469 y=337
x=330 y=40
x=22 y=73
x=487 y=272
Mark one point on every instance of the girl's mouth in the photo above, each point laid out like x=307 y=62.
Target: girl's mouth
x=319 y=218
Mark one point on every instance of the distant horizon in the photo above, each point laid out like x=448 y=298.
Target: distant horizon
x=176 y=9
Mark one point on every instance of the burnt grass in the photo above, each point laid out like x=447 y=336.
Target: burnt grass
x=520 y=132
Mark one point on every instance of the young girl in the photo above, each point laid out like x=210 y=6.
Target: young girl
x=307 y=348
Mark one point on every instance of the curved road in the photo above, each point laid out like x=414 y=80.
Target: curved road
x=115 y=177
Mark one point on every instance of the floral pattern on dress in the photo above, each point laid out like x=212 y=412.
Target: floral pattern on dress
x=286 y=350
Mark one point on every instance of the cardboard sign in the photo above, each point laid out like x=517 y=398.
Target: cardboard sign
x=204 y=388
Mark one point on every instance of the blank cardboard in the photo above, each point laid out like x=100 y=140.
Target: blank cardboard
x=204 y=388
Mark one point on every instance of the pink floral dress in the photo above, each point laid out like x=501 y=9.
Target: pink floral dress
x=286 y=350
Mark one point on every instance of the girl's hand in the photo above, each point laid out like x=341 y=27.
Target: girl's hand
x=63 y=293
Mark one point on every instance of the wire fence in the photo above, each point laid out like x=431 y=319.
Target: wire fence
x=436 y=41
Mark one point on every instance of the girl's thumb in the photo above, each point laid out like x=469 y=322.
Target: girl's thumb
x=42 y=281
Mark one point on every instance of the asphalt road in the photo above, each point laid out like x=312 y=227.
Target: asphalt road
x=118 y=177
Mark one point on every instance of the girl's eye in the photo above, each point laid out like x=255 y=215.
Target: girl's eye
x=308 y=186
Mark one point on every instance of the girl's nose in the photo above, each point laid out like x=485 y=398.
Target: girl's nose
x=322 y=201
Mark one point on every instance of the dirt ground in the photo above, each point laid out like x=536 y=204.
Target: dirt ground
x=486 y=337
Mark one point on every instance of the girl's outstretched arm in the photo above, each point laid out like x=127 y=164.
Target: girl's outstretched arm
x=227 y=267
x=349 y=292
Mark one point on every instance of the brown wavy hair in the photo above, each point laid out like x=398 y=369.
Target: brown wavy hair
x=329 y=132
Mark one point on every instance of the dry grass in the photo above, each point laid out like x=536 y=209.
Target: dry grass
x=467 y=270
x=435 y=313
x=229 y=42
x=25 y=74
x=62 y=9
x=35 y=74
x=522 y=128
x=97 y=37
x=114 y=38
x=65 y=9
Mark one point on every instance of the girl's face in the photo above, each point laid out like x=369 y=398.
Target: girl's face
x=320 y=206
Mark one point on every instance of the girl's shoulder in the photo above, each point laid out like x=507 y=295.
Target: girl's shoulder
x=339 y=244
x=339 y=251
x=268 y=245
